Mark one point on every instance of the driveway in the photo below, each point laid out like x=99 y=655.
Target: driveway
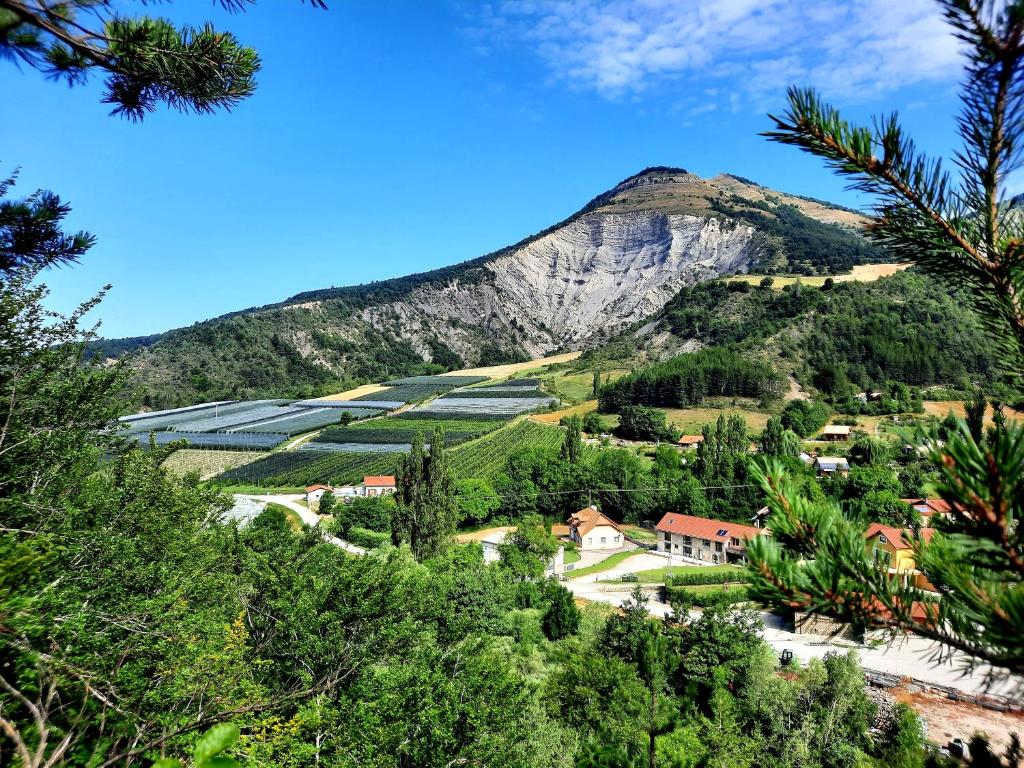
x=308 y=516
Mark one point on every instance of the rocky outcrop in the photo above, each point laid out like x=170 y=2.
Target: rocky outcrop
x=587 y=280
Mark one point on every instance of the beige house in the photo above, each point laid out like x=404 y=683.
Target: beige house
x=698 y=538
x=591 y=530
x=835 y=433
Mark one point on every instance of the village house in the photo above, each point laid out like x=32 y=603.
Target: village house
x=831 y=465
x=315 y=492
x=378 y=485
x=930 y=509
x=836 y=433
x=892 y=547
x=698 y=538
x=592 y=530
x=690 y=442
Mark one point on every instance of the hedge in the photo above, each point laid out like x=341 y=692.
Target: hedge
x=364 y=537
x=680 y=596
x=696 y=578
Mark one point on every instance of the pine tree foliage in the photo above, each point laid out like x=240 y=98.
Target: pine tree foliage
x=147 y=61
x=963 y=230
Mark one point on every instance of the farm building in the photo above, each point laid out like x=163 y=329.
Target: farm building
x=831 y=465
x=836 y=433
x=592 y=530
x=893 y=548
x=690 y=442
x=315 y=492
x=712 y=541
x=378 y=485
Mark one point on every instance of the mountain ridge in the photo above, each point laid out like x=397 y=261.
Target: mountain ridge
x=615 y=261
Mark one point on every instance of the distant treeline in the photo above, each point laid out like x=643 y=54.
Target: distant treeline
x=908 y=328
x=687 y=379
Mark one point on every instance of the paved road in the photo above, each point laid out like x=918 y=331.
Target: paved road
x=907 y=657
x=308 y=516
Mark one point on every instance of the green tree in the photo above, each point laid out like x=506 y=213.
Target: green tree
x=772 y=437
x=562 y=618
x=963 y=231
x=572 y=446
x=327 y=503
x=595 y=387
x=975 y=410
x=146 y=60
x=528 y=549
x=426 y=511
x=476 y=500
x=593 y=424
x=638 y=422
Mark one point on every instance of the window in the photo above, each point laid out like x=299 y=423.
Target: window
x=589 y=540
x=706 y=542
x=604 y=539
x=687 y=540
x=616 y=539
x=714 y=559
x=881 y=557
x=718 y=546
x=700 y=554
x=882 y=539
x=666 y=535
x=735 y=542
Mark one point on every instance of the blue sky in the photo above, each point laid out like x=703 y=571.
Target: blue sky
x=389 y=138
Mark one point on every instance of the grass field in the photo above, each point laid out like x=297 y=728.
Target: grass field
x=578 y=387
x=690 y=420
x=352 y=394
x=862 y=273
x=940 y=408
x=571 y=556
x=607 y=564
x=208 y=463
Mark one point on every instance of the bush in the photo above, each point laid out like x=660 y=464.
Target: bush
x=363 y=537
x=681 y=596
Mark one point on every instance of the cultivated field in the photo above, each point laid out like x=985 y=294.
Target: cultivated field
x=509 y=369
x=862 y=273
x=488 y=455
x=207 y=464
x=352 y=394
x=940 y=408
x=553 y=417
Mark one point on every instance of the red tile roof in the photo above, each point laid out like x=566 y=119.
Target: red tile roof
x=589 y=518
x=379 y=481
x=929 y=507
x=703 y=528
x=311 y=488
x=691 y=439
x=900 y=538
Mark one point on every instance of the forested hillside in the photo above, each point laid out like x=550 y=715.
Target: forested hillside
x=908 y=327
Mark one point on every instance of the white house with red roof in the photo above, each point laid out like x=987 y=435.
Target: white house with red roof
x=591 y=530
x=705 y=540
x=315 y=492
x=378 y=485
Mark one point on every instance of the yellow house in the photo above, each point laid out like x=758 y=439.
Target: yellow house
x=592 y=530
x=893 y=547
